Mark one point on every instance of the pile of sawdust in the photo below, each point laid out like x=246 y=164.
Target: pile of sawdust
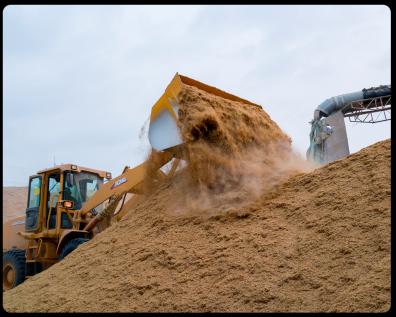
x=14 y=202
x=240 y=228
x=318 y=242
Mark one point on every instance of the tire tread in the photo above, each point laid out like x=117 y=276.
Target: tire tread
x=17 y=258
x=71 y=246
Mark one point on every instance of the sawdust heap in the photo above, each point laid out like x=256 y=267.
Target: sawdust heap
x=318 y=242
x=14 y=202
x=239 y=229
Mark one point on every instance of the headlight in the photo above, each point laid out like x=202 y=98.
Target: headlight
x=67 y=204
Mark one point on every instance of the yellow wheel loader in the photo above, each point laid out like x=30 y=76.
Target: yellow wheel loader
x=69 y=204
x=54 y=196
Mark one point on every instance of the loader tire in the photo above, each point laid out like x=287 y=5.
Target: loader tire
x=71 y=246
x=14 y=268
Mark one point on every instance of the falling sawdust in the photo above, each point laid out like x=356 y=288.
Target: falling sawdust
x=269 y=235
x=235 y=153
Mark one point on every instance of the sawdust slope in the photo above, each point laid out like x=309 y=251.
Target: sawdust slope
x=14 y=202
x=318 y=242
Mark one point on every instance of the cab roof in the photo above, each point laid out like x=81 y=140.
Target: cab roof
x=75 y=168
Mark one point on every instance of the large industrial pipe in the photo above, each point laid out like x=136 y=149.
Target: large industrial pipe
x=334 y=104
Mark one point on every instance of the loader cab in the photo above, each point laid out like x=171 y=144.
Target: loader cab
x=50 y=186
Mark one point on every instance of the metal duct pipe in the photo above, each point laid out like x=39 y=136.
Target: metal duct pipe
x=383 y=90
x=334 y=104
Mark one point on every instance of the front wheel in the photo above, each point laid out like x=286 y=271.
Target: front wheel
x=14 y=268
x=71 y=246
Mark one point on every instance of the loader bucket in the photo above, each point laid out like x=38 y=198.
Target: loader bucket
x=163 y=131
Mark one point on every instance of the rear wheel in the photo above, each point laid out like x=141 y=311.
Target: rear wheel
x=14 y=268
x=71 y=246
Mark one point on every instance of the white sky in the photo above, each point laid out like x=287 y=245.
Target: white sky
x=79 y=81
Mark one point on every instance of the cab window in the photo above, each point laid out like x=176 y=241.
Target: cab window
x=79 y=187
x=53 y=190
x=34 y=192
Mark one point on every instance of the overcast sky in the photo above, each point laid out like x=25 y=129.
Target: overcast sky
x=80 y=81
